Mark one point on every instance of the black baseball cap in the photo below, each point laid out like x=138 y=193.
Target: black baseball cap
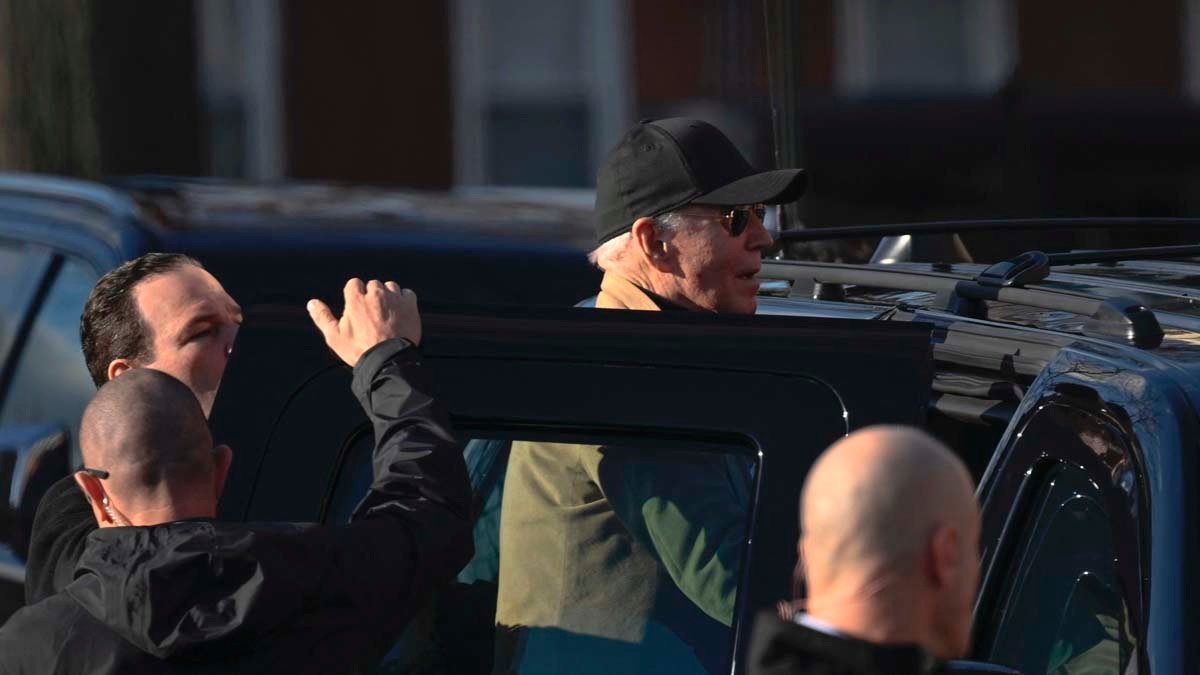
x=662 y=165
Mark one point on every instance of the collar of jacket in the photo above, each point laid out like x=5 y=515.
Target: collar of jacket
x=620 y=293
x=176 y=586
x=786 y=647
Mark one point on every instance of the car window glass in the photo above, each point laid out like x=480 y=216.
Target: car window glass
x=20 y=273
x=13 y=281
x=602 y=554
x=1063 y=608
x=51 y=382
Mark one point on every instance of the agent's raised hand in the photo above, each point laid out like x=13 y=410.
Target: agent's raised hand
x=374 y=312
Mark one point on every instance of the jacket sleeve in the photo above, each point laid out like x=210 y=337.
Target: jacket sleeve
x=689 y=509
x=412 y=531
x=219 y=588
x=60 y=531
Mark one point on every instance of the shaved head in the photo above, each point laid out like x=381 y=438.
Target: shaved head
x=888 y=516
x=147 y=430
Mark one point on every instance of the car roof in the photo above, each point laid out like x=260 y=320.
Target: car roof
x=290 y=242
x=229 y=218
x=202 y=205
x=167 y=209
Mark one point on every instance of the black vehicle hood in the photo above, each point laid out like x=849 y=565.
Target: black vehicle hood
x=193 y=584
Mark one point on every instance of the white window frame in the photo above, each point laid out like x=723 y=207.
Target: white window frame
x=989 y=26
x=608 y=55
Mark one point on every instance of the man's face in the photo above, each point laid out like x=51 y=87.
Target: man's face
x=718 y=270
x=192 y=324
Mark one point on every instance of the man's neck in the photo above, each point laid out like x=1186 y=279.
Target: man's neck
x=884 y=619
x=169 y=514
x=665 y=295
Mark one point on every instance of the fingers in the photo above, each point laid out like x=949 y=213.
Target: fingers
x=374 y=285
x=323 y=317
x=353 y=290
x=394 y=287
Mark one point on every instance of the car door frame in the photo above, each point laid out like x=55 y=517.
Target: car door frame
x=61 y=225
x=81 y=221
x=836 y=354
x=1151 y=524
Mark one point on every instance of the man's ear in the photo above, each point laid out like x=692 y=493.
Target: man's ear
x=800 y=573
x=94 y=492
x=944 y=554
x=653 y=247
x=222 y=460
x=118 y=366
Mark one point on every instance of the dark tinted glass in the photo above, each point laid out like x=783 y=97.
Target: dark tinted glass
x=599 y=555
x=21 y=269
x=1062 y=607
x=51 y=381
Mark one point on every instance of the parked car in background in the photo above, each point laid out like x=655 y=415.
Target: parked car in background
x=1068 y=384
x=266 y=244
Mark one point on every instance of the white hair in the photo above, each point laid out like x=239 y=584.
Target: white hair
x=611 y=253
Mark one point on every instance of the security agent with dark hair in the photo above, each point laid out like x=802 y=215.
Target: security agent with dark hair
x=163 y=588
x=161 y=311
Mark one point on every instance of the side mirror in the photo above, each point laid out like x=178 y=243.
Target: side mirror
x=32 y=458
x=978 y=667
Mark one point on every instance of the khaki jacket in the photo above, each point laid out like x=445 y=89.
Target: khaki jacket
x=617 y=293
x=613 y=560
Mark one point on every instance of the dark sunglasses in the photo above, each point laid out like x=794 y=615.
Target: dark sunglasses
x=736 y=220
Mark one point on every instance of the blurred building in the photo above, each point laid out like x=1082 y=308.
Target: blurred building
x=910 y=109
x=429 y=94
x=925 y=110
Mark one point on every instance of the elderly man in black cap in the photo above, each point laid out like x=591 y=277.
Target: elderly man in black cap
x=680 y=219
x=626 y=559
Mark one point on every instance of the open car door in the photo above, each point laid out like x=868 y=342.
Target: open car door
x=597 y=440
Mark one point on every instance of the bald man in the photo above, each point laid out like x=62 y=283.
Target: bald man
x=161 y=587
x=149 y=435
x=890 y=549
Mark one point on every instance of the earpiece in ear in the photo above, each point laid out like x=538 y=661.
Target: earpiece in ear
x=112 y=515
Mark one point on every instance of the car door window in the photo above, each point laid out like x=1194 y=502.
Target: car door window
x=601 y=554
x=51 y=381
x=22 y=267
x=1063 y=609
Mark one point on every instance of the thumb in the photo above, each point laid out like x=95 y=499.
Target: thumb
x=323 y=317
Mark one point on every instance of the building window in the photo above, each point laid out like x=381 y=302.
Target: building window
x=541 y=89
x=923 y=46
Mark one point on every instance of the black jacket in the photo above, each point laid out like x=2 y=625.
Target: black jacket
x=781 y=647
x=60 y=530
x=201 y=596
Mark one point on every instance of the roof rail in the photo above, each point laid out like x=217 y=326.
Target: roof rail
x=995 y=225
x=1118 y=319
x=1121 y=254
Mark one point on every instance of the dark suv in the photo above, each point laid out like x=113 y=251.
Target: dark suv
x=1066 y=383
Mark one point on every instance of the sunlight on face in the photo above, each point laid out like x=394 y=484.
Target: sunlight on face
x=719 y=271
x=192 y=324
